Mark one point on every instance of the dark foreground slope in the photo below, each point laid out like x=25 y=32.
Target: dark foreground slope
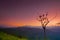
x=33 y=33
x=5 y=36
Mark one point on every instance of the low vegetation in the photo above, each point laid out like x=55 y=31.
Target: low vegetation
x=5 y=36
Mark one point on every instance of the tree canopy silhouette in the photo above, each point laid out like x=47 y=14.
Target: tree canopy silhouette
x=43 y=19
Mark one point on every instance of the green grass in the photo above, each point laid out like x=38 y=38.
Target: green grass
x=4 y=36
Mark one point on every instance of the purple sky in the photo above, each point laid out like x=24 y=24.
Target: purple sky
x=25 y=12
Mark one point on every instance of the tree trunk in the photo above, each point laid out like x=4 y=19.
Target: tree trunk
x=44 y=30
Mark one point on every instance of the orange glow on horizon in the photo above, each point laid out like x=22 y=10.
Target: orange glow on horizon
x=29 y=23
x=32 y=21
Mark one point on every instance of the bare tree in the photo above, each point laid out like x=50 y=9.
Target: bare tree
x=44 y=21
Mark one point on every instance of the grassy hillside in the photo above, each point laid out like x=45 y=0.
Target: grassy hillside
x=4 y=36
x=22 y=33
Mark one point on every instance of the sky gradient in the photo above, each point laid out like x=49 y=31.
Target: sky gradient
x=25 y=12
